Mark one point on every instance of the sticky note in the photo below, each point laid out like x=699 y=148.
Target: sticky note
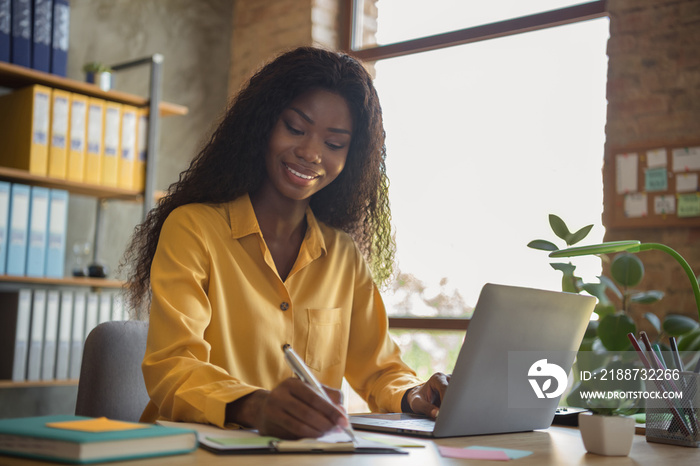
x=656 y=179
x=465 y=453
x=512 y=454
x=689 y=205
x=100 y=424
x=626 y=167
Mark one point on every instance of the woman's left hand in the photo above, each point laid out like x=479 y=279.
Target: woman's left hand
x=427 y=398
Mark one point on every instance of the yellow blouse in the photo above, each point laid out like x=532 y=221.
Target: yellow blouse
x=220 y=315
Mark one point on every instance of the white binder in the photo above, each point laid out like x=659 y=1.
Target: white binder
x=48 y=359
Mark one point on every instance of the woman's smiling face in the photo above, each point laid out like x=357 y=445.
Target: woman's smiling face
x=309 y=144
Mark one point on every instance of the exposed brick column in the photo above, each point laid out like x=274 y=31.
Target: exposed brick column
x=265 y=28
x=654 y=95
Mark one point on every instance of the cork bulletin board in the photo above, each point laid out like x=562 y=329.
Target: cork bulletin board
x=652 y=185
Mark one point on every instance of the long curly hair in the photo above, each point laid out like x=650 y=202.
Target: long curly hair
x=232 y=163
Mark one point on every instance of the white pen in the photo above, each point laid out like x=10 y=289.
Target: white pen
x=300 y=370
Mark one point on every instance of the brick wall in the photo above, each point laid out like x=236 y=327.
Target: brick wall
x=264 y=28
x=654 y=95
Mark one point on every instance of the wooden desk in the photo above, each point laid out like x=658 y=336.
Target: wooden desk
x=554 y=446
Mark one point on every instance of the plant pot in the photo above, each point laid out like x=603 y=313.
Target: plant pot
x=103 y=79
x=606 y=435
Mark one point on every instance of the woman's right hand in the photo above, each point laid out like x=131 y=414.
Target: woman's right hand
x=291 y=410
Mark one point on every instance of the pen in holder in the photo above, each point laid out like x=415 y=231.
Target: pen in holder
x=674 y=419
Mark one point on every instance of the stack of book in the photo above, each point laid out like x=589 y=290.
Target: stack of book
x=83 y=440
x=70 y=136
x=42 y=331
x=35 y=34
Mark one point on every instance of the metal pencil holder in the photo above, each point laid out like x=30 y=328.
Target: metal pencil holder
x=671 y=418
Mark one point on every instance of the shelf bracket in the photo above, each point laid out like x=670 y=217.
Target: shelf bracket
x=156 y=62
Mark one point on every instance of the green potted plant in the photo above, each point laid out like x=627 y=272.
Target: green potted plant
x=608 y=334
x=99 y=74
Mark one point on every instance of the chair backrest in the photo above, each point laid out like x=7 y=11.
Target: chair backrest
x=111 y=382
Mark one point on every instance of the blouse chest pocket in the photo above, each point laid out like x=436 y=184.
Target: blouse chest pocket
x=324 y=344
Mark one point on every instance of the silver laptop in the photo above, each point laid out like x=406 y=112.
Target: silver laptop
x=512 y=368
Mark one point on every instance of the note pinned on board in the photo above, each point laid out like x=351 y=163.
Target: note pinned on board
x=665 y=204
x=656 y=179
x=689 y=205
x=99 y=424
x=626 y=165
x=686 y=159
x=656 y=158
x=686 y=182
x=636 y=205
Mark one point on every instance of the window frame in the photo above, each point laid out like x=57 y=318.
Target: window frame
x=535 y=22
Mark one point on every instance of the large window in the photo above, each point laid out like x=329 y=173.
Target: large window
x=484 y=140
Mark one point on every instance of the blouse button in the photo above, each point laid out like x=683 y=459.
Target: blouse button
x=284 y=306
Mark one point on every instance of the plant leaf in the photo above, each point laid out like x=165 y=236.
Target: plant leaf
x=597 y=290
x=627 y=269
x=542 y=245
x=654 y=320
x=579 y=235
x=690 y=341
x=613 y=330
x=647 y=297
x=604 y=309
x=677 y=325
x=559 y=227
x=565 y=268
x=611 y=285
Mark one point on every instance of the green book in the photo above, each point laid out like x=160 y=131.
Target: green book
x=31 y=437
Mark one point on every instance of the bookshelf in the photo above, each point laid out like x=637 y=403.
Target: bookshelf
x=67 y=281
x=15 y=77
x=100 y=192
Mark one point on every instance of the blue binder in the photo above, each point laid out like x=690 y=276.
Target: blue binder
x=38 y=231
x=4 y=222
x=5 y=29
x=60 y=37
x=19 y=225
x=21 y=40
x=42 y=13
x=58 y=224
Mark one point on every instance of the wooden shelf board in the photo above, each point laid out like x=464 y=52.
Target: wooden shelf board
x=102 y=192
x=66 y=281
x=39 y=383
x=14 y=76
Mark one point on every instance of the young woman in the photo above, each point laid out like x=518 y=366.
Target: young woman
x=276 y=234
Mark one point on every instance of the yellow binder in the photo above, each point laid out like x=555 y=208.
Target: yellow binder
x=24 y=129
x=141 y=152
x=58 y=133
x=77 y=140
x=112 y=135
x=127 y=154
x=95 y=141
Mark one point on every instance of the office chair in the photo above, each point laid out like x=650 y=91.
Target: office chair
x=111 y=383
